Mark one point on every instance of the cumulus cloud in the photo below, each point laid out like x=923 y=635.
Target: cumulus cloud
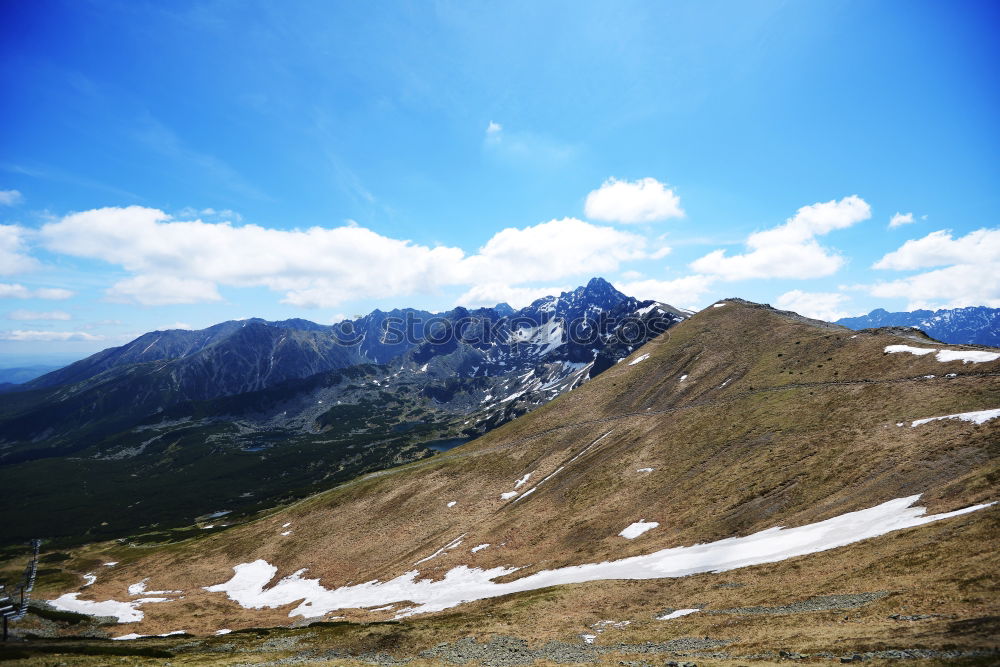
x=175 y=261
x=14 y=256
x=967 y=278
x=682 y=292
x=184 y=261
x=550 y=250
x=789 y=250
x=490 y=294
x=644 y=200
x=827 y=306
x=48 y=336
x=941 y=249
x=900 y=219
x=10 y=197
x=493 y=128
x=18 y=291
x=34 y=315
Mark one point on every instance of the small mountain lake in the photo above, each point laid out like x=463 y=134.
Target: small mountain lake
x=446 y=444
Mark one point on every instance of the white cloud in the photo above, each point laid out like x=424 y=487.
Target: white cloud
x=175 y=325
x=631 y=275
x=17 y=291
x=13 y=251
x=493 y=128
x=818 y=305
x=46 y=336
x=34 y=315
x=661 y=252
x=161 y=290
x=10 y=197
x=189 y=213
x=550 y=250
x=968 y=277
x=682 y=292
x=940 y=249
x=789 y=250
x=52 y=293
x=185 y=261
x=644 y=200
x=900 y=219
x=490 y=294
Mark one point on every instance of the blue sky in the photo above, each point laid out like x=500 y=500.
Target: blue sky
x=169 y=164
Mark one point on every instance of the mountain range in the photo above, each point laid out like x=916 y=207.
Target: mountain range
x=245 y=414
x=754 y=488
x=975 y=325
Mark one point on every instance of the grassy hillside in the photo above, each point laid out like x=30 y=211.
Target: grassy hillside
x=738 y=420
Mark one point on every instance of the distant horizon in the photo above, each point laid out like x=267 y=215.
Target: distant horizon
x=14 y=361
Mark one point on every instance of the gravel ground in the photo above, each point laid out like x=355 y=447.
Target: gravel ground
x=819 y=603
x=509 y=651
x=505 y=651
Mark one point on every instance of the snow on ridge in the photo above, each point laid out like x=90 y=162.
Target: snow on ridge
x=718 y=305
x=649 y=308
x=967 y=356
x=90 y=578
x=676 y=614
x=920 y=351
x=636 y=529
x=639 y=359
x=247 y=586
x=944 y=354
x=977 y=417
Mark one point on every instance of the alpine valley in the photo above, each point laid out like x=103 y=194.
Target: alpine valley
x=248 y=414
x=737 y=486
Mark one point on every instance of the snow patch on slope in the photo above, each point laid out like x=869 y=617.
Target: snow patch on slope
x=636 y=529
x=979 y=417
x=944 y=355
x=125 y=612
x=639 y=359
x=247 y=586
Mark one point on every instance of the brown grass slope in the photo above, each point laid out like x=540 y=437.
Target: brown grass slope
x=780 y=421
